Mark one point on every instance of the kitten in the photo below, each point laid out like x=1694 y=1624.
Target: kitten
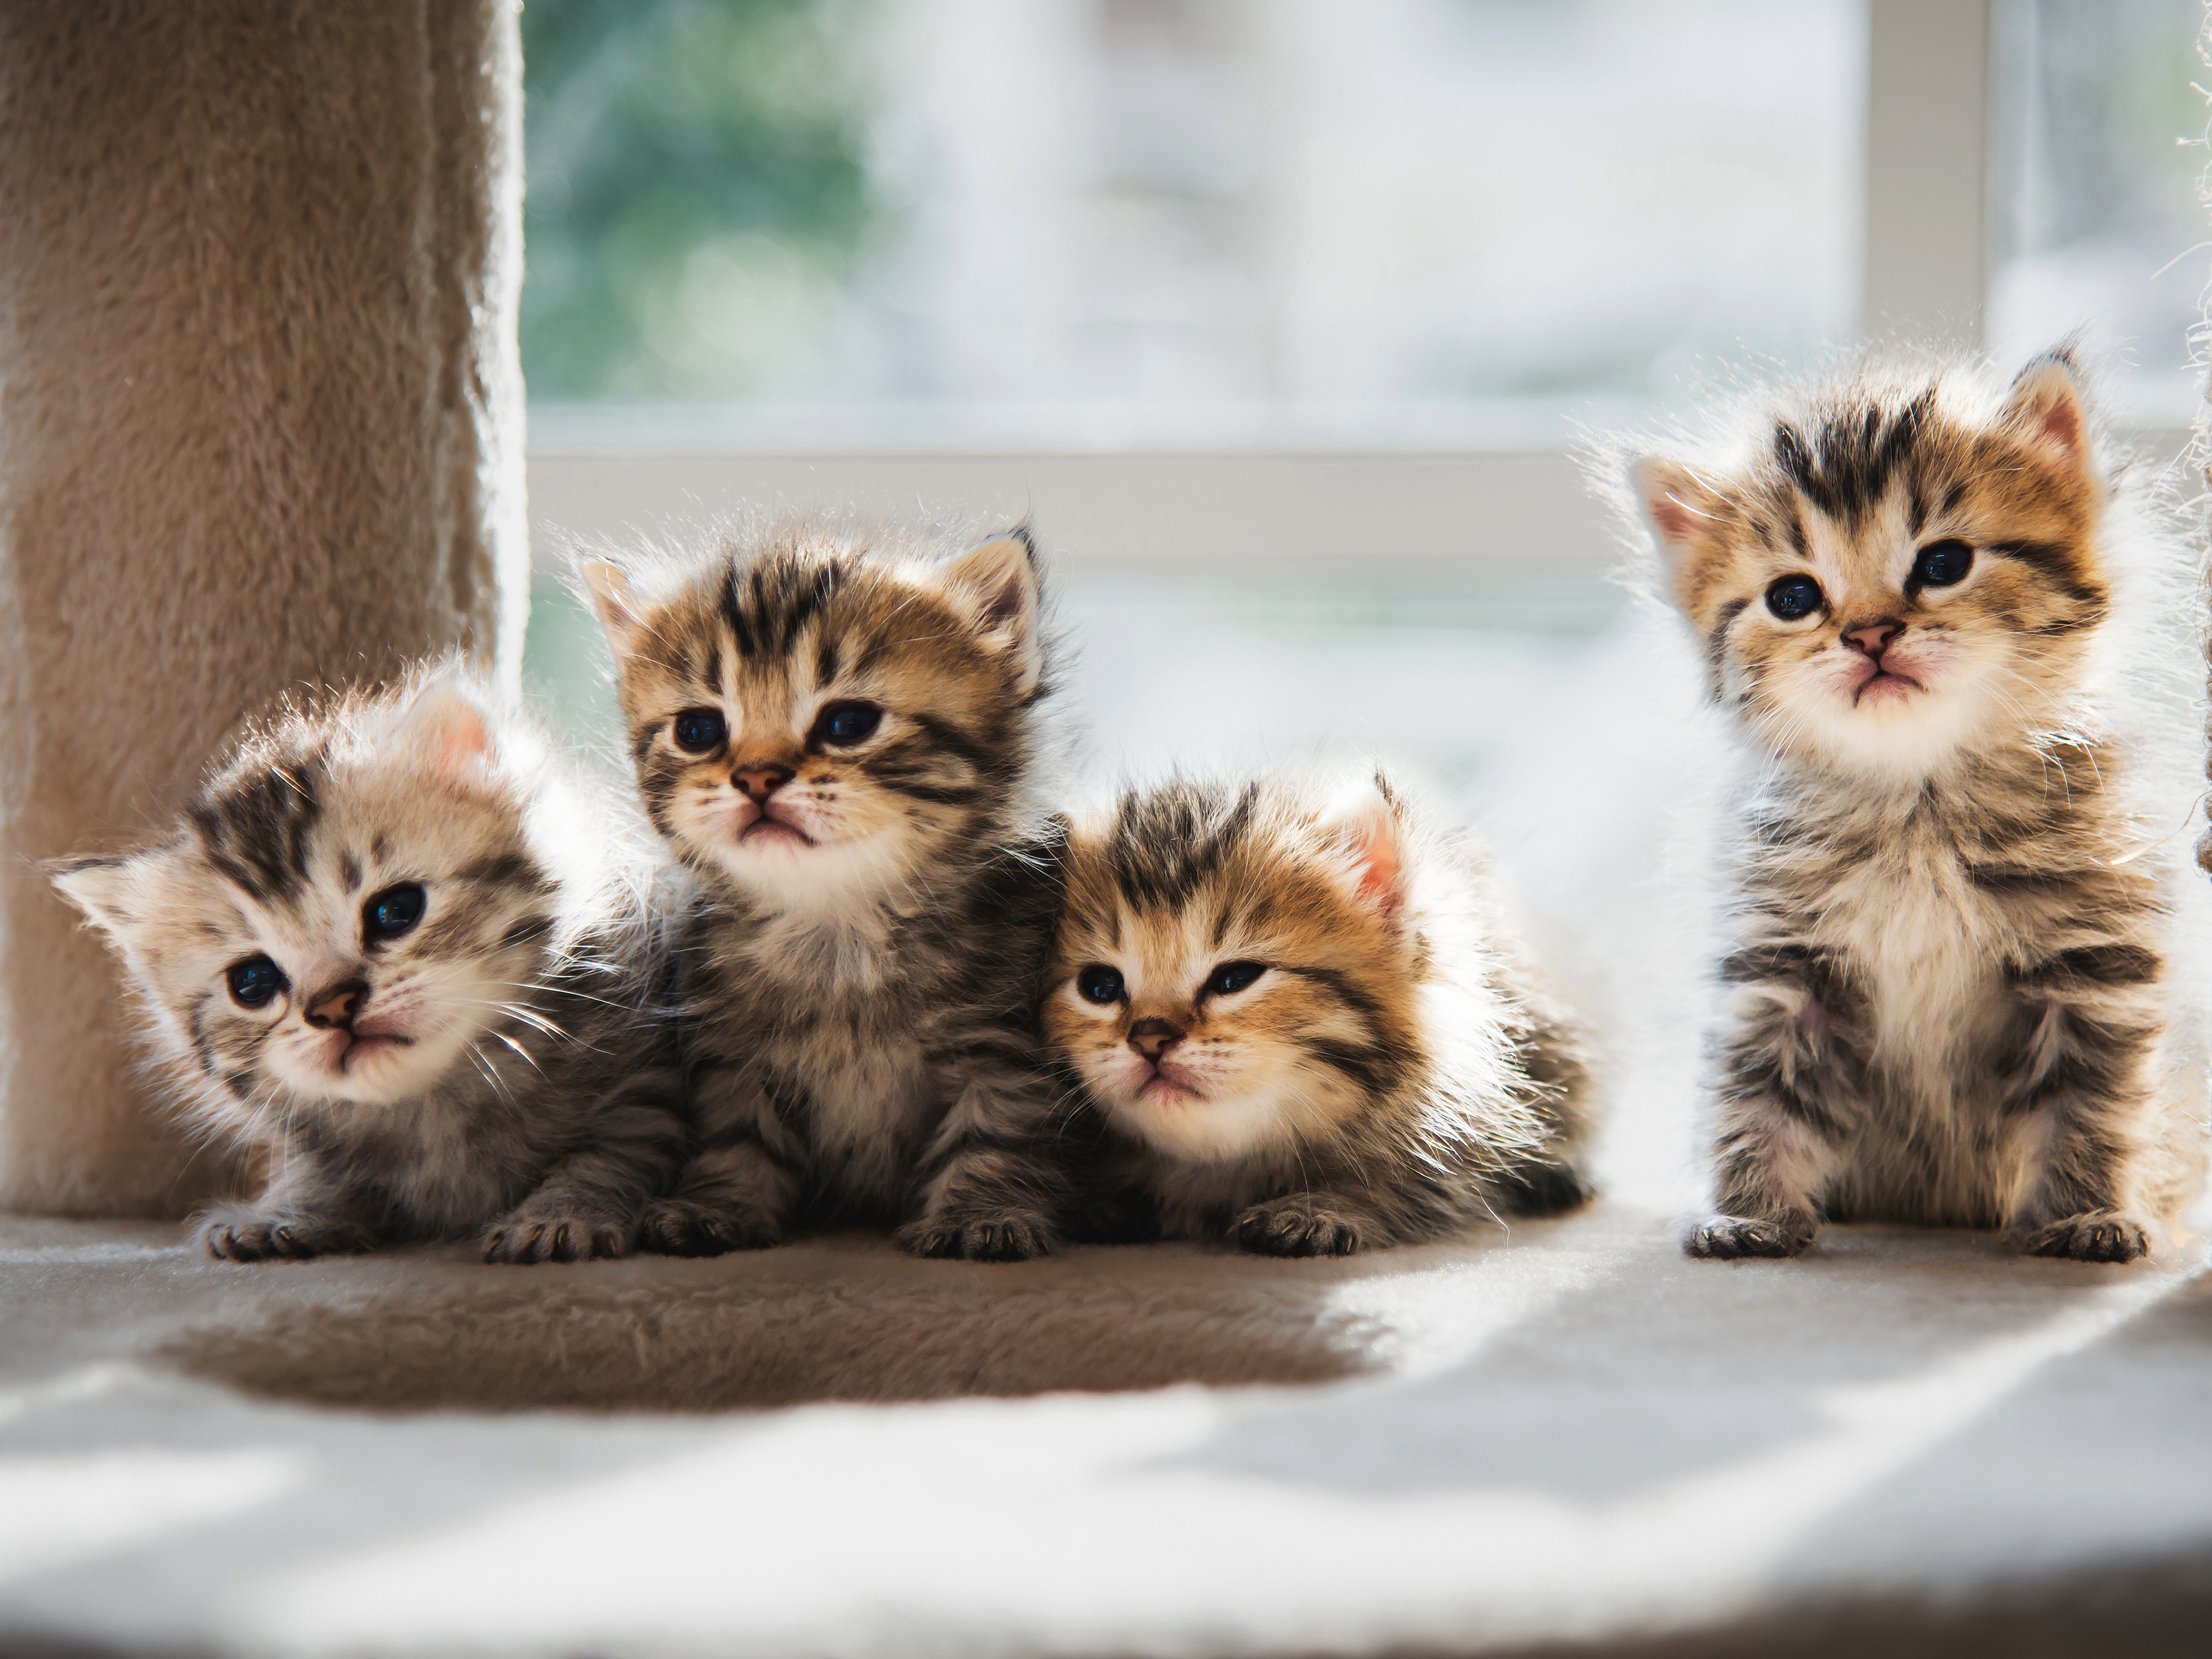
x=392 y=947
x=1304 y=1025
x=1946 y=964
x=839 y=735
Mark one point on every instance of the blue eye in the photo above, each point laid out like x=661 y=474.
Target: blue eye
x=699 y=730
x=391 y=912
x=1942 y=564
x=254 y=981
x=1232 y=978
x=1099 y=984
x=848 y=722
x=1793 y=598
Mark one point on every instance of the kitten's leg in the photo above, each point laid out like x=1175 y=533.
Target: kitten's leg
x=1787 y=1100
x=590 y=1204
x=307 y=1210
x=1306 y=1223
x=2082 y=1092
x=742 y=1185
x=991 y=1187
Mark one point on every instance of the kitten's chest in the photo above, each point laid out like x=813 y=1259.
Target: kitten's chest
x=1922 y=949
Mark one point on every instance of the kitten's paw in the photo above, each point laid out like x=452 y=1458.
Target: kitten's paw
x=683 y=1227
x=241 y=1235
x=1538 y=1189
x=999 y=1236
x=2095 y=1236
x=1728 y=1237
x=1296 y=1226
x=521 y=1238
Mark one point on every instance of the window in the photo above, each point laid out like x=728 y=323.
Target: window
x=1277 y=318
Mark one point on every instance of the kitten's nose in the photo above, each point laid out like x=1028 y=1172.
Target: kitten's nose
x=1872 y=638
x=338 y=1005
x=759 y=783
x=1153 y=1038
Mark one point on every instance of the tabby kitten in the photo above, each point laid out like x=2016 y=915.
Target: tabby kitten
x=394 y=948
x=838 y=735
x=1304 y=1025
x=1946 y=962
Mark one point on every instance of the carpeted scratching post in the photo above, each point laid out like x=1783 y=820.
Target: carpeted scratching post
x=260 y=427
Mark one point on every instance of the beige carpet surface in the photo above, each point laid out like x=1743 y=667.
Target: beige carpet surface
x=1565 y=1435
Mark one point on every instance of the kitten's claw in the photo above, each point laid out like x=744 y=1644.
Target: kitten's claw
x=683 y=1226
x=1726 y=1237
x=1295 y=1227
x=1008 y=1236
x=264 y=1238
x=2095 y=1236
x=527 y=1239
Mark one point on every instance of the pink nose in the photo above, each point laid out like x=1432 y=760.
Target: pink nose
x=1153 y=1038
x=759 y=783
x=1872 y=638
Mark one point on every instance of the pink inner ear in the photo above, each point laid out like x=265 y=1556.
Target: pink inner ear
x=461 y=737
x=1376 y=851
x=1675 y=521
x=2060 y=421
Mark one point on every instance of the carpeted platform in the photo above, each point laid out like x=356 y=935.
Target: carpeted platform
x=1568 y=1436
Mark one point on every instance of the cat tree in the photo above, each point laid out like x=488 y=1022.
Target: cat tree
x=260 y=428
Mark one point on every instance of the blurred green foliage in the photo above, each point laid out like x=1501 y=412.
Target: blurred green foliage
x=696 y=192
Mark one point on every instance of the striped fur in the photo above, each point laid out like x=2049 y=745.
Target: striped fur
x=1948 y=969
x=839 y=733
x=502 y=1066
x=1319 y=1037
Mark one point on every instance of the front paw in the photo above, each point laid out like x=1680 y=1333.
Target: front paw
x=1298 y=1226
x=685 y=1226
x=2094 y=1236
x=243 y=1236
x=523 y=1237
x=994 y=1236
x=1729 y=1237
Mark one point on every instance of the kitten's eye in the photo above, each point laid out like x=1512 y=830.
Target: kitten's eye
x=700 y=729
x=254 y=981
x=1793 y=598
x=1232 y=978
x=848 y=722
x=1941 y=564
x=1099 y=984
x=391 y=912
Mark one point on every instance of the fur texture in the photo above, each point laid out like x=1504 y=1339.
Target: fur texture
x=1947 y=966
x=1302 y=1024
x=839 y=732
x=260 y=427
x=394 y=949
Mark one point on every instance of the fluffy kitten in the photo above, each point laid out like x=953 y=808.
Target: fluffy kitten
x=1305 y=1025
x=838 y=735
x=1946 y=964
x=393 y=947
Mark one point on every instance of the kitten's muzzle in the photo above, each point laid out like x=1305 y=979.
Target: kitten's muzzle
x=1153 y=1038
x=757 y=783
x=334 y=1008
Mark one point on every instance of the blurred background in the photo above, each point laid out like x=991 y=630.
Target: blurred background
x=1282 y=319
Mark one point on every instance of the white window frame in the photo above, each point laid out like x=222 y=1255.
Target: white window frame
x=1295 y=510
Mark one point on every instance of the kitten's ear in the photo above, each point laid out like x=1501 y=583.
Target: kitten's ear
x=447 y=728
x=106 y=889
x=1366 y=821
x=1683 y=511
x=614 y=599
x=2045 y=405
x=995 y=582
